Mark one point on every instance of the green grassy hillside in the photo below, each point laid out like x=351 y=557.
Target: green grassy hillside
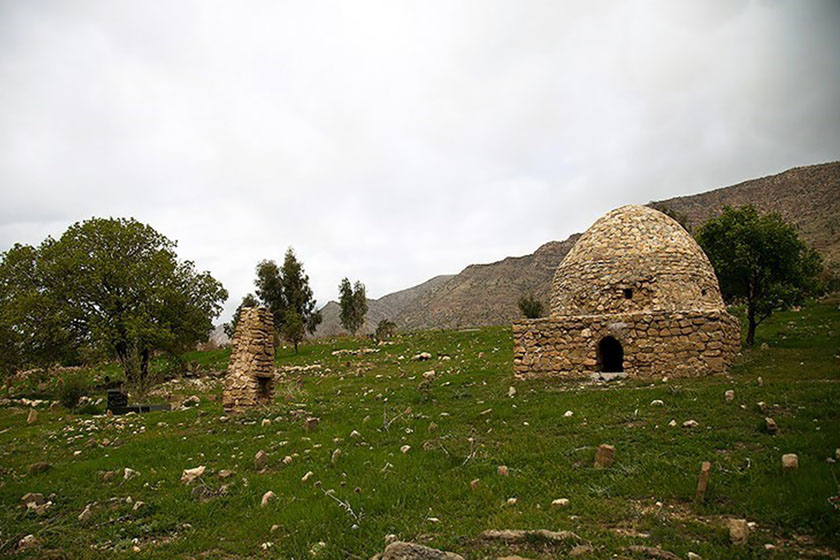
x=460 y=427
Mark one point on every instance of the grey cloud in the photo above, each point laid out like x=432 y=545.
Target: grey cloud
x=395 y=141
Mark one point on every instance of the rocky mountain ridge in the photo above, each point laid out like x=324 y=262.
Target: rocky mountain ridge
x=487 y=294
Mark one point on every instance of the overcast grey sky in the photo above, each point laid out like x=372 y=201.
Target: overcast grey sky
x=393 y=141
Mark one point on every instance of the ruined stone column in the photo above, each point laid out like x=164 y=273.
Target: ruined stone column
x=250 y=376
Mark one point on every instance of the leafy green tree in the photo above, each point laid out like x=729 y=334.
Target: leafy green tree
x=112 y=285
x=353 y=302
x=287 y=288
x=248 y=301
x=530 y=306
x=32 y=333
x=760 y=262
x=269 y=284
x=293 y=328
x=298 y=294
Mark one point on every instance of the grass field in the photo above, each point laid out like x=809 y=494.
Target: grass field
x=460 y=428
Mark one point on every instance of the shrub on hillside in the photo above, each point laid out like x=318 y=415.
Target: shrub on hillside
x=531 y=307
x=71 y=389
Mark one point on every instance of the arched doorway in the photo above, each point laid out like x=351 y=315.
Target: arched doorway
x=610 y=355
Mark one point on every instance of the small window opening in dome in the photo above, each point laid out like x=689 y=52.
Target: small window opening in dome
x=703 y=292
x=628 y=293
x=610 y=355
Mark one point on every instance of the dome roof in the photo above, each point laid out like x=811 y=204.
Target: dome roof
x=634 y=259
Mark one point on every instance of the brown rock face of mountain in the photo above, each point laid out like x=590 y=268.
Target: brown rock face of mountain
x=808 y=197
x=487 y=294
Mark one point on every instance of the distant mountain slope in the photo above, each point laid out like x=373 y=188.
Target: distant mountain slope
x=486 y=294
x=386 y=307
x=808 y=197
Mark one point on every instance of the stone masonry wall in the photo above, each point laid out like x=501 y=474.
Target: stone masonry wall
x=690 y=343
x=250 y=377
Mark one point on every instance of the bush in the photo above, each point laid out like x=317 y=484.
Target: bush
x=385 y=329
x=71 y=389
x=531 y=307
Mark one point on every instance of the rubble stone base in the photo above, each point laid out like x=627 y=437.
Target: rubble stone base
x=681 y=344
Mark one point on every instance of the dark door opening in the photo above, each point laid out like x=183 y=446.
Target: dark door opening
x=266 y=386
x=610 y=355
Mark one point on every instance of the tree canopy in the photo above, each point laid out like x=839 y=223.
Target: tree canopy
x=353 y=302
x=285 y=291
x=109 y=285
x=760 y=262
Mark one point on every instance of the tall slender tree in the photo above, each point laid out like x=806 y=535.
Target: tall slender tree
x=284 y=289
x=353 y=302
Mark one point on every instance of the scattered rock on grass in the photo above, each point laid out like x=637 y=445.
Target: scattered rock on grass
x=652 y=552
x=739 y=531
x=189 y=475
x=770 y=426
x=729 y=395
x=86 y=514
x=560 y=503
x=128 y=473
x=405 y=449
x=691 y=424
x=267 y=497
x=502 y=470
x=191 y=401
x=790 y=461
x=36 y=468
x=422 y=357
x=28 y=542
x=411 y=551
x=605 y=456
x=311 y=423
x=33 y=417
x=530 y=535
x=260 y=460
x=581 y=550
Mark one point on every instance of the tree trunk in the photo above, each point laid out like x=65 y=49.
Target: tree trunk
x=751 y=323
x=144 y=364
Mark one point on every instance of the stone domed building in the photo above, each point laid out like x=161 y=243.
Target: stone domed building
x=636 y=294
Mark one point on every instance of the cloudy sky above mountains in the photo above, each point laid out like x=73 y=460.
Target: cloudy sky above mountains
x=394 y=141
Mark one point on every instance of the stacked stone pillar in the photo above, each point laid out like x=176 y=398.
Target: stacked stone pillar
x=250 y=377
